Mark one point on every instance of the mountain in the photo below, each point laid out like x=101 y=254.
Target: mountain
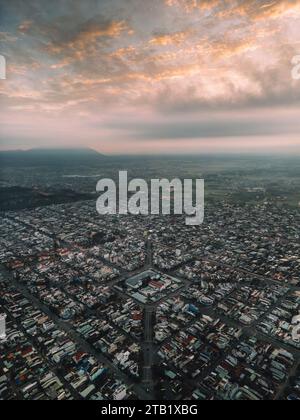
x=52 y=157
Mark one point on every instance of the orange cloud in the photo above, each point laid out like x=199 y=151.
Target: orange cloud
x=86 y=40
x=170 y=39
x=94 y=32
x=206 y=63
x=254 y=9
x=269 y=9
x=190 y=5
x=124 y=52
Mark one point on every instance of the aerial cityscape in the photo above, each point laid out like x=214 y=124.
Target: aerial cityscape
x=145 y=307
x=136 y=307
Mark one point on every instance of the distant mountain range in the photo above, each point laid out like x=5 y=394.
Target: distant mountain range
x=53 y=157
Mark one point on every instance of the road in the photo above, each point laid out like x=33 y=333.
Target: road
x=145 y=390
x=149 y=254
x=148 y=350
x=83 y=344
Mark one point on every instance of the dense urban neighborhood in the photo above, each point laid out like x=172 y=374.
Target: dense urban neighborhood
x=120 y=307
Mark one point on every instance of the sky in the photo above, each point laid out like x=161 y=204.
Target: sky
x=159 y=76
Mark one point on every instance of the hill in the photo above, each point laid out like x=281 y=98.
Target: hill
x=52 y=157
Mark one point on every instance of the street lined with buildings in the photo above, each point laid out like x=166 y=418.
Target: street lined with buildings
x=118 y=308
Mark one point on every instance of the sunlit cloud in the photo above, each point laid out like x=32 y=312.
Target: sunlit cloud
x=252 y=9
x=169 y=39
x=189 y=57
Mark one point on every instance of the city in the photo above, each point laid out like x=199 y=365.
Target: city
x=149 y=203
x=110 y=307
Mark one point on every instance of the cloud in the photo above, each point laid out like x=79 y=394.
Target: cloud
x=225 y=125
x=256 y=9
x=252 y=9
x=88 y=38
x=7 y=37
x=25 y=26
x=175 y=38
x=187 y=58
x=191 y=5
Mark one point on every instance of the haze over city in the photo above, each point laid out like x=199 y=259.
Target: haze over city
x=166 y=76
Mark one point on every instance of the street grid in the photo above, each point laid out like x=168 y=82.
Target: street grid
x=145 y=389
